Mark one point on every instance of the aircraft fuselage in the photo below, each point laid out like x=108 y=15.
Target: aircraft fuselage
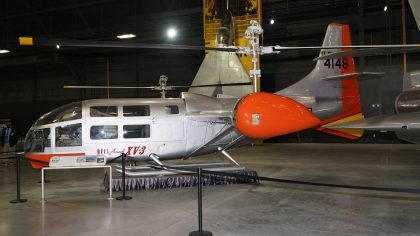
x=170 y=128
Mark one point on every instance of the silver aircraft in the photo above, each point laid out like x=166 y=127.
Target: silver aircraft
x=163 y=129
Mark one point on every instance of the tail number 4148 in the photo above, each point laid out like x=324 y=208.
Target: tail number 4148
x=337 y=63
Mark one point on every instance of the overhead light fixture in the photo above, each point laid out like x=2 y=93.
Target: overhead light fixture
x=171 y=33
x=126 y=36
x=272 y=22
x=4 y=51
x=57 y=46
x=385 y=8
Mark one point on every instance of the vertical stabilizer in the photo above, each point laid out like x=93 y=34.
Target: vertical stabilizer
x=323 y=92
x=415 y=7
x=222 y=67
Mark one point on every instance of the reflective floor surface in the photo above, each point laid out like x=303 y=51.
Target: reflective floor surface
x=77 y=203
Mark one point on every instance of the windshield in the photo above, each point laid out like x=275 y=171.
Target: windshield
x=37 y=140
x=72 y=111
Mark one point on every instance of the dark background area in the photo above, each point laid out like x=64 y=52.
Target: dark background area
x=31 y=78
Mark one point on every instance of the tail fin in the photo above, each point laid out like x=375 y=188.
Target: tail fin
x=331 y=90
x=221 y=68
x=415 y=7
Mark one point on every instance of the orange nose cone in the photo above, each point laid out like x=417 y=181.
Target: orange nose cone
x=266 y=115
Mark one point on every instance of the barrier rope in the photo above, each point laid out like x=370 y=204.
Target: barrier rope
x=5 y=157
x=298 y=182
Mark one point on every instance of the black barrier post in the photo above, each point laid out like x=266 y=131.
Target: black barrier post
x=18 y=199
x=200 y=231
x=123 y=197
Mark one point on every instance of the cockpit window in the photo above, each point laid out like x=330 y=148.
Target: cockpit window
x=68 y=136
x=37 y=140
x=72 y=111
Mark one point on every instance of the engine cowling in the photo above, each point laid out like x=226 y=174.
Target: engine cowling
x=266 y=115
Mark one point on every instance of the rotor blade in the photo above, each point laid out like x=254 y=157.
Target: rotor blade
x=105 y=87
x=212 y=85
x=23 y=41
x=367 y=52
x=396 y=46
x=153 y=87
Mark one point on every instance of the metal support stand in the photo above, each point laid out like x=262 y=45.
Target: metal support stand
x=200 y=231
x=123 y=197
x=45 y=180
x=18 y=199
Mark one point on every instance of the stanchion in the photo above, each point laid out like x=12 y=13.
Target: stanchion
x=200 y=231
x=123 y=197
x=18 y=199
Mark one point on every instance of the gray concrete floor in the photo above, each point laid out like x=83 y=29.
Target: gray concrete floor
x=77 y=203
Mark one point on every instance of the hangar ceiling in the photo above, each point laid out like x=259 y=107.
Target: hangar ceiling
x=33 y=77
x=296 y=20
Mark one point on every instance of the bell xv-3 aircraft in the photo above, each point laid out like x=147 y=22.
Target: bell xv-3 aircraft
x=178 y=128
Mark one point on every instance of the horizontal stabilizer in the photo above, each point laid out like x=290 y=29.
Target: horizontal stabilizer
x=369 y=52
x=397 y=122
x=359 y=75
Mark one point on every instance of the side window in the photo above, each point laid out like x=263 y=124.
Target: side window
x=143 y=110
x=136 y=131
x=68 y=136
x=103 y=111
x=103 y=132
x=171 y=109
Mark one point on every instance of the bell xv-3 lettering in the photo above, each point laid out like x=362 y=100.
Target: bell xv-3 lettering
x=131 y=151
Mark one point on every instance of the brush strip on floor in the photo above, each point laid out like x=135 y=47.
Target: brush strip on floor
x=176 y=181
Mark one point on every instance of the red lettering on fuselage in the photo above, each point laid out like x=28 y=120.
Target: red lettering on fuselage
x=136 y=150
x=101 y=151
x=131 y=151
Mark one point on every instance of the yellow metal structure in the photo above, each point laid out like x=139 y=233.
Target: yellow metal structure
x=25 y=41
x=243 y=12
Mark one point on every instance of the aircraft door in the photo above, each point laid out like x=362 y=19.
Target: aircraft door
x=168 y=130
